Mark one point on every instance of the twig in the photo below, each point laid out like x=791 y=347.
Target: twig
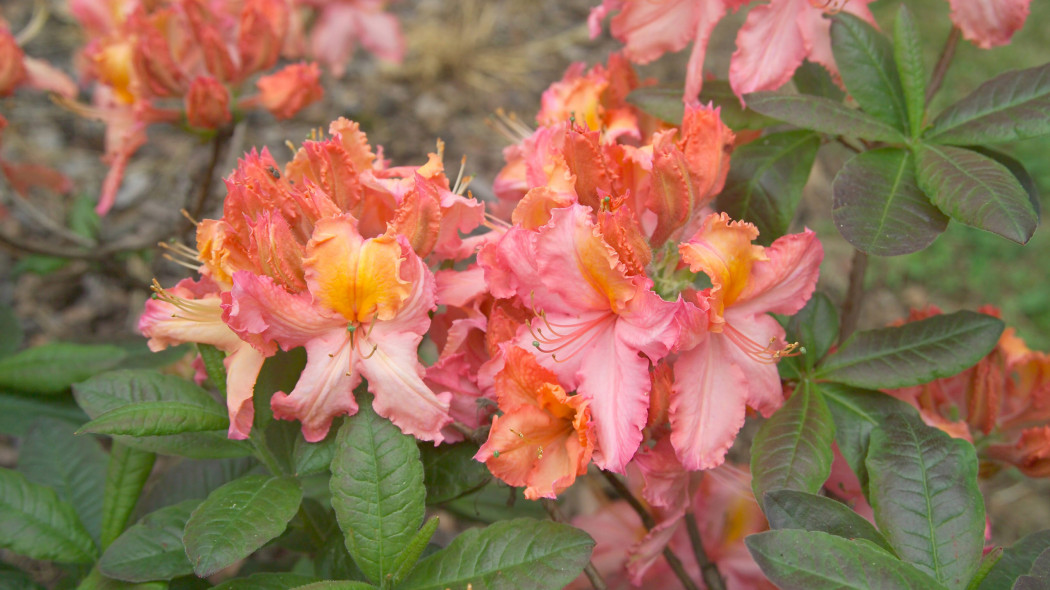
x=218 y=148
x=649 y=523
x=590 y=571
x=708 y=569
x=945 y=60
x=854 y=295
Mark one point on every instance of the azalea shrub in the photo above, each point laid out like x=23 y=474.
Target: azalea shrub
x=620 y=367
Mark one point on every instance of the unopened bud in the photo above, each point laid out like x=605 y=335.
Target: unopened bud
x=207 y=103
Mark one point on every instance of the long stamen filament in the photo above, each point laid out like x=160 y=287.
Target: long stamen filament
x=769 y=354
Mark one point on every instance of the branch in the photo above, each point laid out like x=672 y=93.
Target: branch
x=854 y=295
x=708 y=569
x=649 y=523
x=945 y=60
x=590 y=571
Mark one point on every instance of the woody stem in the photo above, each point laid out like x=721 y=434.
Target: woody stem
x=854 y=295
x=649 y=523
x=945 y=60
x=708 y=569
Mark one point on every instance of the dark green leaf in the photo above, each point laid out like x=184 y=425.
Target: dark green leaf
x=407 y=561
x=856 y=413
x=159 y=418
x=139 y=356
x=309 y=458
x=666 y=104
x=879 y=208
x=495 y=502
x=865 y=61
x=907 y=49
x=73 y=466
x=1012 y=106
x=815 y=327
x=280 y=372
x=814 y=79
x=450 y=471
x=35 y=523
x=213 y=363
x=96 y=581
x=792 y=450
x=12 y=578
x=823 y=115
x=152 y=548
x=1018 y=170
x=987 y=563
x=923 y=488
x=237 y=519
x=520 y=554
x=788 y=509
x=105 y=393
x=11 y=333
x=811 y=560
x=38 y=264
x=127 y=473
x=1038 y=577
x=913 y=353
x=976 y=190
x=336 y=585
x=266 y=581
x=1017 y=560
x=377 y=490
x=53 y=367
x=20 y=410
x=765 y=182
x=193 y=479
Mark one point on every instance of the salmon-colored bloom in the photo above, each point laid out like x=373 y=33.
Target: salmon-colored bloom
x=989 y=23
x=286 y=92
x=727 y=355
x=339 y=25
x=207 y=103
x=543 y=440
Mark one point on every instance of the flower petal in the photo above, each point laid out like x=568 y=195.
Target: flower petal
x=989 y=23
x=769 y=47
x=326 y=387
x=786 y=279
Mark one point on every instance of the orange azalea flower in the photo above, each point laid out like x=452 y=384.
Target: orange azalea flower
x=543 y=440
x=285 y=93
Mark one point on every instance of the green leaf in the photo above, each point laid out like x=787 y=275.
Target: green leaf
x=117 y=389
x=309 y=458
x=83 y=219
x=792 y=450
x=12 y=578
x=407 y=561
x=213 y=359
x=666 y=104
x=1009 y=107
x=239 y=518
x=923 y=488
x=857 y=412
x=152 y=548
x=139 y=356
x=814 y=79
x=11 y=333
x=788 y=509
x=20 y=410
x=495 y=502
x=815 y=327
x=913 y=353
x=159 y=418
x=907 y=50
x=35 y=523
x=127 y=473
x=266 y=581
x=377 y=490
x=811 y=560
x=522 y=554
x=878 y=206
x=280 y=372
x=765 y=182
x=865 y=61
x=96 y=581
x=1018 y=170
x=823 y=115
x=976 y=190
x=194 y=480
x=336 y=585
x=450 y=471
x=73 y=466
x=987 y=563
x=53 y=367
x=1017 y=560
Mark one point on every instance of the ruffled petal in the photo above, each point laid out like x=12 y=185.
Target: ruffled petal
x=263 y=313
x=326 y=387
x=769 y=47
x=988 y=23
x=786 y=279
x=242 y=370
x=709 y=13
x=650 y=29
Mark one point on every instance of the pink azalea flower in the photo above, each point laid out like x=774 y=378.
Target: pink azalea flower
x=341 y=24
x=989 y=23
x=364 y=314
x=774 y=40
x=727 y=356
x=598 y=327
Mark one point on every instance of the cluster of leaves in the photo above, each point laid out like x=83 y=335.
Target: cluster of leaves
x=351 y=508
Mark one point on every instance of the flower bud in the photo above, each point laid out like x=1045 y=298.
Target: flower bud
x=12 y=70
x=290 y=89
x=207 y=103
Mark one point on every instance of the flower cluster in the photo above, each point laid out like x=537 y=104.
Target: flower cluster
x=1001 y=404
x=327 y=254
x=776 y=37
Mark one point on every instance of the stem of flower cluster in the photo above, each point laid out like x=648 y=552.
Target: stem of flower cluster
x=649 y=523
x=264 y=454
x=708 y=569
x=590 y=571
x=854 y=295
x=945 y=60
